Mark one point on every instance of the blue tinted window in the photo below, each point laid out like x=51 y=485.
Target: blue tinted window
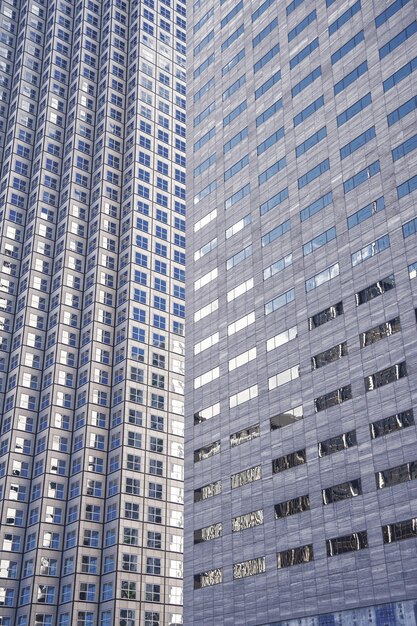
x=231 y=14
x=314 y=173
x=402 y=111
x=274 y=201
x=350 y=78
x=293 y=5
x=347 y=47
x=309 y=110
x=389 y=12
x=345 y=17
x=311 y=141
x=357 y=143
x=239 y=195
x=228 y=42
x=269 y=112
x=302 y=25
x=319 y=241
x=272 y=170
x=366 y=212
x=353 y=110
x=205 y=113
x=398 y=40
x=204 y=89
x=204 y=42
x=205 y=64
x=264 y=33
x=203 y=20
x=205 y=165
x=305 y=52
x=400 y=74
x=234 y=87
x=407 y=187
x=270 y=141
x=204 y=139
x=306 y=81
x=238 y=57
x=264 y=6
x=273 y=80
x=266 y=58
x=316 y=206
x=235 y=140
x=235 y=113
x=409 y=228
x=361 y=177
x=236 y=167
x=404 y=148
x=276 y=232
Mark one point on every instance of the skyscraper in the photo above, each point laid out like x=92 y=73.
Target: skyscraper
x=302 y=351
x=92 y=103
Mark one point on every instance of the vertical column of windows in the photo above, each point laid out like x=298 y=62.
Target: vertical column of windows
x=18 y=422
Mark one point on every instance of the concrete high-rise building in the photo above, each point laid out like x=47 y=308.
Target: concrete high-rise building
x=92 y=105
x=301 y=490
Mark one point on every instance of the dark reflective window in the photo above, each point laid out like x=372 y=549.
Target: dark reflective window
x=396 y=475
x=375 y=290
x=385 y=376
x=333 y=398
x=392 y=423
x=207 y=451
x=208 y=491
x=288 y=461
x=380 y=332
x=295 y=556
x=347 y=543
x=208 y=532
x=343 y=491
x=400 y=530
x=329 y=356
x=325 y=316
x=340 y=442
x=244 y=435
x=288 y=417
x=292 y=507
x=209 y=578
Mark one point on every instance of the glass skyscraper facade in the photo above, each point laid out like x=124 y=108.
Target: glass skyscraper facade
x=300 y=439
x=92 y=208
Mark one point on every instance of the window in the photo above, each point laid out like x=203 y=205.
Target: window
x=345 y=17
x=266 y=58
x=277 y=232
x=295 y=556
x=268 y=113
x=314 y=173
x=396 y=41
x=329 y=356
x=380 y=332
x=407 y=187
x=402 y=110
x=399 y=75
x=375 y=290
x=322 y=277
x=392 y=424
x=279 y=301
x=343 y=491
x=347 y=543
x=319 y=241
x=289 y=461
x=366 y=212
x=399 y=531
x=308 y=111
x=232 y=38
x=311 y=17
x=385 y=376
x=333 y=398
x=209 y=532
x=292 y=507
x=209 y=578
x=389 y=12
x=304 y=53
x=311 y=141
x=246 y=476
x=249 y=568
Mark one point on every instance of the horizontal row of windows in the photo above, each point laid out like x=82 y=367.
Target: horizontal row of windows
x=397 y=531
